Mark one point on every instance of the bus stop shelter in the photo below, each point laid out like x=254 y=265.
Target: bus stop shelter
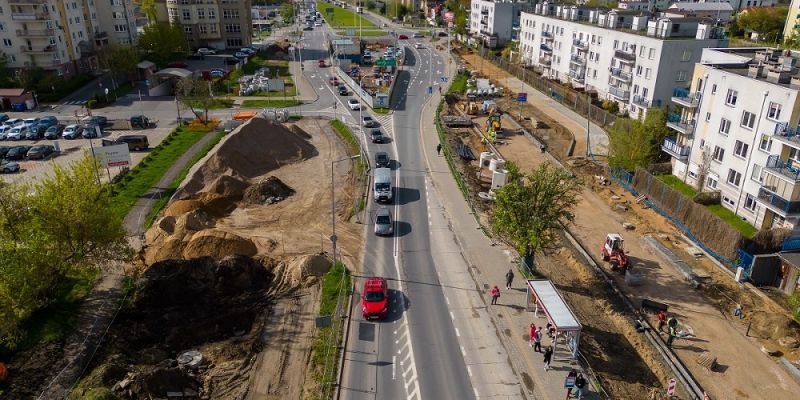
x=543 y=296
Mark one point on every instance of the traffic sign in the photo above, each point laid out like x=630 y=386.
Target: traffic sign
x=147 y=82
x=386 y=62
x=522 y=97
x=671 y=387
x=430 y=89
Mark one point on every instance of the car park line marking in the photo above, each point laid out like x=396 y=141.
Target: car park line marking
x=447 y=300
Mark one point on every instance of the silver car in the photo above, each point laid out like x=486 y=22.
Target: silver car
x=383 y=222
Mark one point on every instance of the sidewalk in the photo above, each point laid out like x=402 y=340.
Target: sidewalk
x=489 y=262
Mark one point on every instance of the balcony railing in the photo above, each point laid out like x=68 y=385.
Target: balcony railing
x=546 y=34
x=580 y=44
x=484 y=12
x=545 y=61
x=577 y=76
x=671 y=147
x=619 y=73
x=38 y=16
x=620 y=93
x=785 y=206
x=36 y=32
x=679 y=124
x=787 y=168
x=641 y=101
x=546 y=48
x=683 y=97
x=624 y=56
x=31 y=49
x=783 y=129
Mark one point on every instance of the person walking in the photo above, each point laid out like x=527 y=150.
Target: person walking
x=439 y=149
x=495 y=294
x=532 y=334
x=509 y=278
x=662 y=320
x=580 y=383
x=672 y=334
x=537 y=343
x=572 y=376
x=548 y=354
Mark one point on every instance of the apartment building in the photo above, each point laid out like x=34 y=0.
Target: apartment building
x=642 y=5
x=219 y=24
x=493 y=21
x=629 y=57
x=114 y=22
x=736 y=132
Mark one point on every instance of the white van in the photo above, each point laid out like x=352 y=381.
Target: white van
x=383 y=185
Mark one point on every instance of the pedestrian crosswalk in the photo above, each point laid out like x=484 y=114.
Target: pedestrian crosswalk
x=75 y=102
x=386 y=122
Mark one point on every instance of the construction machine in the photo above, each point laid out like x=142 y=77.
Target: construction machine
x=613 y=251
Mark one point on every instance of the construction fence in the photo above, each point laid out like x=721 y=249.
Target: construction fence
x=578 y=101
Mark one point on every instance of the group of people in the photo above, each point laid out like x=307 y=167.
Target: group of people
x=672 y=326
x=535 y=334
x=495 y=292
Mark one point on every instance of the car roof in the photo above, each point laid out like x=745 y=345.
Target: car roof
x=375 y=284
x=73 y=126
x=381 y=154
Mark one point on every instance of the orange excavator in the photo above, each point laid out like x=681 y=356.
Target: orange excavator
x=614 y=252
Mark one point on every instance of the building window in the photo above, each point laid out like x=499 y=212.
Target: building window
x=682 y=75
x=711 y=183
x=687 y=55
x=750 y=202
x=652 y=53
x=233 y=28
x=641 y=51
x=201 y=13
x=727 y=200
x=187 y=29
x=230 y=13
x=639 y=70
x=748 y=119
x=719 y=154
x=766 y=143
x=117 y=15
x=202 y=29
x=120 y=28
x=234 y=42
x=212 y=13
x=756 y=175
x=2 y=28
x=713 y=89
x=648 y=73
x=740 y=148
x=730 y=99
x=213 y=28
x=616 y=44
x=724 y=126
x=774 y=111
x=734 y=177
x=187 y=14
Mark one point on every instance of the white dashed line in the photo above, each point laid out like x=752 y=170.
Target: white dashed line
x=469 y=371
x=452 y=316
x=457 y=333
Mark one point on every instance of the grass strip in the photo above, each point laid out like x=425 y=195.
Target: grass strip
x=363 y=33
x=381 y=110
x=352 y=141
x=459 y=84
x=341 y=18
x=325 y=347
x=213 y=104
x=173 y=186
x=262 y=103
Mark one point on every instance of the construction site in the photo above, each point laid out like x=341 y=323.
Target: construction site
x=227 y=285
x=621 y=262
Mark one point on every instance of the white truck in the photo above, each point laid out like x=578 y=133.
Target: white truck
x=382 y=185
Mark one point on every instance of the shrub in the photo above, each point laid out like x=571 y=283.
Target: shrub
x=91 y=104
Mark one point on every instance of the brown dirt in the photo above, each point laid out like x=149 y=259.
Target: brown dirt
x=268 y=190
x=217 y=243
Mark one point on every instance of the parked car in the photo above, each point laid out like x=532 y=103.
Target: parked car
x=247 y=50
x=13 y=122
x=376 y=136
x=72 y=132
x=17 y=153
x=205 y=51
x=178 y=64
x=3 y=117
x=17 y=133
x=375 y=299
x=8 y=167
x=134 y=142
x=342 y=90
x=29 y=122
x=382 y=158
x=91 y=131
x=416 y=35
x=241 y=55
x=4 y=131
x=368 y=121
x=354 y=104
x=36 y=132
x=418 y=46
x=48 y=121
x=4 y=150
x=54 y=132
x=321 y=63
x=402 y=37
x=96 y=120
x=317 y=24
x=141 y=122
x=217 y=73
x=40 y=151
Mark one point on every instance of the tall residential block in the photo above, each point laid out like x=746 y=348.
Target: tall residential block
x=219 y=24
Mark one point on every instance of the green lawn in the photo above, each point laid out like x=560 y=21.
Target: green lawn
x=381 y=110
x=215 y=104
x=324 y=356
x=723 y=213
x=342 y=18
x=459 y=84
x=363 y=33
x=270 y=103
x=173 y=186
x=133 y=185
x=290 y=91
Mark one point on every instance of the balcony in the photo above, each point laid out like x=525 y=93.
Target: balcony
x=619 y=93
x=36 y=32
x=545 y=61
x=671 y=147
x=788 y=169
x=682 y=97
x=641 y=101
x=576 y=76
x=621 y=75
x=547 y=35
x=577 y=60
x=485 y=12
x=624 y=56
x=777 y=203
x=581 y=45
x=38 y=16
x=546 y=48
x=38 y=50
x=101 y=35
x=683 y=126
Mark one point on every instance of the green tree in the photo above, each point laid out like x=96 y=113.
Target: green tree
x=161 y=41
x=49 y=230
x=120 y=61
x=195 y=93
x=633 y=143
x=287 y=12
x=768 y=22
x=530 y=208
x=149 y=9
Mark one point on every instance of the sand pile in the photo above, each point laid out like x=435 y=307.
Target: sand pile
x=251 y=150
x=270 y=190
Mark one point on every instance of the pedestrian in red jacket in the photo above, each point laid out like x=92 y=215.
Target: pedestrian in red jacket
x=495 y=294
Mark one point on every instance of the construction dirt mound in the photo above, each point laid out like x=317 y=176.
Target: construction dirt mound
x=227 y=186
x=218 y=244
x=255 y=148
x=269 y=191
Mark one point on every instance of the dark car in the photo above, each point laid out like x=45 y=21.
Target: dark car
x=17 y=152
x=376 y=136
x=92 y=131
x=8 y=167
x=96 y=120
x=54 y=132
x=382 y=160
x=402 y=37
x=48 y=121
x=134 y=142
x=3 y=117
x=35 y=132
x=4 y=150
x=342 y=91
x=40 y=151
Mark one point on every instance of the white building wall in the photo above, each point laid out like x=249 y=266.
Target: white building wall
x=499 y=16
x=116 y=18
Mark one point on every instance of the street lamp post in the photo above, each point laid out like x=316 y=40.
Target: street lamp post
x=333 y=203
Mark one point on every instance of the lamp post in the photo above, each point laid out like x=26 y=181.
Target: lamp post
x=333 y=203
x=361 y=110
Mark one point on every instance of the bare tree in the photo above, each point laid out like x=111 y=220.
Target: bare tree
x=196 y=94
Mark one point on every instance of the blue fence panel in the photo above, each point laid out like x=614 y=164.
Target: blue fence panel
x=792 y=243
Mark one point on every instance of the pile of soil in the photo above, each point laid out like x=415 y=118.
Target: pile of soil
x=228 y=186
x=252 y=150
x=269 y=191
x=199 y=304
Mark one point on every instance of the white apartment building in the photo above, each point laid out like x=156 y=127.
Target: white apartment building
x=642 y=5
x=627 y=57
x=218 y=24
x=792 y=19
x=115 y=22
x=737 y=133
x=493 y=21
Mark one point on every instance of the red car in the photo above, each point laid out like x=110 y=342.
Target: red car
x=178 y=64
x=402 y=37
x=375 y=299
x=333 y=81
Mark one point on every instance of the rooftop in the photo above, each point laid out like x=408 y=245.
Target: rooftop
x=773 y=65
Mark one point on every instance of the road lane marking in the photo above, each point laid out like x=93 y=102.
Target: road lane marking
x=452 y=316
x=457 y=333
x=394 y=366
x=463 y=352
x=469 y=371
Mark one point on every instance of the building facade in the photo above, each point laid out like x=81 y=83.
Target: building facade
x=627 y=57
x=219 y=24
x=736 y=132
x=792 y=19
x=493 y=21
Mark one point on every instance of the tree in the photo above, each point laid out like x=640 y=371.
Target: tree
x=768 y=22
x=633 y=143
x=149 y=9
x=530 y=209
x=120 y=61
x=287 y=12
x=196 y=94
x=161 y=41
x=50 y=230
x=5 y=74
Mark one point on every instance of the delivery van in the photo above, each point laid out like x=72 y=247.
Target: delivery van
x=383 y=185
